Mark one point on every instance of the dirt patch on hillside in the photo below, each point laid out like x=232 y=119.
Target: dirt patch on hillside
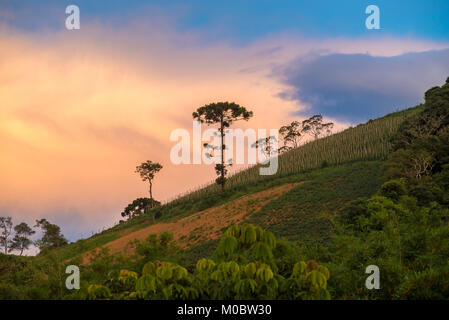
x=204 y=225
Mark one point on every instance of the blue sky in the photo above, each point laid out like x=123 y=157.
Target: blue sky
x=243 y=21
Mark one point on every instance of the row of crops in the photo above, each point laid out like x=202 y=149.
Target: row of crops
x=369 y=141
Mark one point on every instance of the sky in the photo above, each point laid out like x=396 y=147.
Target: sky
x=79 y=109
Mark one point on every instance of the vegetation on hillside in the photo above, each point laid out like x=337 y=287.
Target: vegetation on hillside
x=248 y=263
x=378 y=196
x=369 y=141
x=404 y=229
x=19 y=240
x=299 y=215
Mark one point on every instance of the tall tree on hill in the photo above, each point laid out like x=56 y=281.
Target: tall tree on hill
x=223 y=114
x=52 y=237
x=291 y=135
x=147 y=170
x=5 y=227
x=315 y=127
x=21 y=240
x=266 y=145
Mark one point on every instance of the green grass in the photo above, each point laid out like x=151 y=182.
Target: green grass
x=298 y=214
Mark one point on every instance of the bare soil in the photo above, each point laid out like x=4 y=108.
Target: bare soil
x=205 y=225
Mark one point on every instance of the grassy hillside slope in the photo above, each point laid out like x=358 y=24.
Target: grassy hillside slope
x=353 y=159
x=400 y=226
x=298 y=215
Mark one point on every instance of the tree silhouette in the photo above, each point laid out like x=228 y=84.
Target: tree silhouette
x=291 y=135
x=147 y=170
x=315 y=127
x=21 y=240
x=265 y=145
x=223 y=114
x=5 y=227
x=52 y=235
x=138 y=206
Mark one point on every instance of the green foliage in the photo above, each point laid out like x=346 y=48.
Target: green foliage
x=404 y=230
x=165 y=280
x=393 y=189
x=418 y=160
x=21 y=240
x=307 y=281
x=291 y=135
x=245 y=267
x=156 y=247
x=409 y=244
x=248 y=269
x=442 y=178
x=432 y=121
x=52 y=237
x=427 y=192
x=315 y=127
x=139 y=206
x=98 y=292
x=147 y=170
x=302 y=214
x=246 y=243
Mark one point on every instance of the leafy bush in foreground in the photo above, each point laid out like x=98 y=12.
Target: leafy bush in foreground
x=244 y=266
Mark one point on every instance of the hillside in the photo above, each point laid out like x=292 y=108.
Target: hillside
x=352 y=158
x=364 y=196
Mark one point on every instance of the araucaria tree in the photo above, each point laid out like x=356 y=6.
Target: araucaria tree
x=5 y=228
x=147 y=170
x=21 y=240
x=223 y=114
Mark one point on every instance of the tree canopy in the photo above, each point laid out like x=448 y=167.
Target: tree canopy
x=223 y=114
x=52 y=237
x=147 y=170
x=315 y=127
x=138 y=206
x=21 y=240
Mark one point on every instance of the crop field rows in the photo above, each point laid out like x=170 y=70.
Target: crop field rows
x=369 y=141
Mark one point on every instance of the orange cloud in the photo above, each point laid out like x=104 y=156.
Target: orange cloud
x=76 y=120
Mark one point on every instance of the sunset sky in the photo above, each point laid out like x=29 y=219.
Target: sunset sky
x=79 y=109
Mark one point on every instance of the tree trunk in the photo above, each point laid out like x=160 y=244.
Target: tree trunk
x=222 y=154
x=151 y=189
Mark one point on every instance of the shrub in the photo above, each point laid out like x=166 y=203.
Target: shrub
x=244 y=266
x=393 y=189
